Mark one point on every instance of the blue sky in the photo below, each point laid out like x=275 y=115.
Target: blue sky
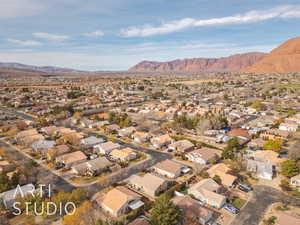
x=116 y=34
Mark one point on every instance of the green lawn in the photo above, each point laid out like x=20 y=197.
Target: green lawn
x=238 y=202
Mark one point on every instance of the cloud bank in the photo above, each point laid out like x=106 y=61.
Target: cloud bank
x=25 y=43
x=286 y=11
x=94 y=34
x=50 y=37
x=18 y=8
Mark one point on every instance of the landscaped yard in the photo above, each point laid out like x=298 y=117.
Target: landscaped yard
x=238 y=202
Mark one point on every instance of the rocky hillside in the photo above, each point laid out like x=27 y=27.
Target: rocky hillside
x=231 y=63
x=20 y=66
x=283 y=59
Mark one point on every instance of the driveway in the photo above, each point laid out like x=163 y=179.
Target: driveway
x=262 y=198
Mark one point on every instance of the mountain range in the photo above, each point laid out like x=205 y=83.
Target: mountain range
x=283 y=59
x=231 y=63
x=49 y=69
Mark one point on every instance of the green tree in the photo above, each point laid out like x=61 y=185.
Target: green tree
x=258 y=105
x=4 y=182
x=217 y=178
x=231 y=149
x=273 y=144
x=15 y=179
x=270 y=221
x=290 y=168
x=164 y=212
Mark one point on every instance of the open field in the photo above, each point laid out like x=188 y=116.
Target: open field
x=288 y=86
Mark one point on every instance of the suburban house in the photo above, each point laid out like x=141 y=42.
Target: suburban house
x=204 y=155
x=149 y=184
x=113 y=127
x=275 y=133
x=57 y=151
x=119 y=201
x=27 y=137
x=123 y=155
x=161 y=141
x=107 y=147
x=126 y=132
x=42 y=146
x=168 y=168
x=91 y=141
x=192 y=209
x=287 y=218
x=295 y=181
x=291 y=127
x=98 y=165
x=26 y=133
x=222 y=170
x=262 y=169
x=256 y=144
x=141 y=136
x=79 y=169
x=241 y=134
x=86 y=123
x=268 y=156
x=6 y=166
x=181 y=146
x=50 y=130
x=207 y=191
x=71 y=159
x=91 y=167
x=10 y=196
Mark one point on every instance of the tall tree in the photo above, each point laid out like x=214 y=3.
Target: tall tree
x=164 y=212
x=84 y=215
x=290 y=168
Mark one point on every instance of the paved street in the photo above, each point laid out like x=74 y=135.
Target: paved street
x=263 y=197
x=20 y=114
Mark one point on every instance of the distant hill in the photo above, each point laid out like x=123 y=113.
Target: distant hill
x=283 y=59
x=20 y=66
x=230 y=63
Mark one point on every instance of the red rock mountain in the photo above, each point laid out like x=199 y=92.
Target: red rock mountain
x=231 y=63
x=283 y=59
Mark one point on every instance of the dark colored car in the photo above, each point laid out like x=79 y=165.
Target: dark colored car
x=231 y=209
x=245 y=187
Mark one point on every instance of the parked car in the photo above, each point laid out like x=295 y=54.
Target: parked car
x=59 y=166
x=212 y=223
x=245 y=187
x=231 y=209
x=93 y=156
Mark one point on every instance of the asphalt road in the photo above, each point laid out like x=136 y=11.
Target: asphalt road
x=19 y=114
x=263 y=197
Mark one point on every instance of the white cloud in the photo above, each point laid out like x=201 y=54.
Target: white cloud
x=25 y=43
x=94 y=34
x=51 y=37
x=286 y=11
x=18 y=8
